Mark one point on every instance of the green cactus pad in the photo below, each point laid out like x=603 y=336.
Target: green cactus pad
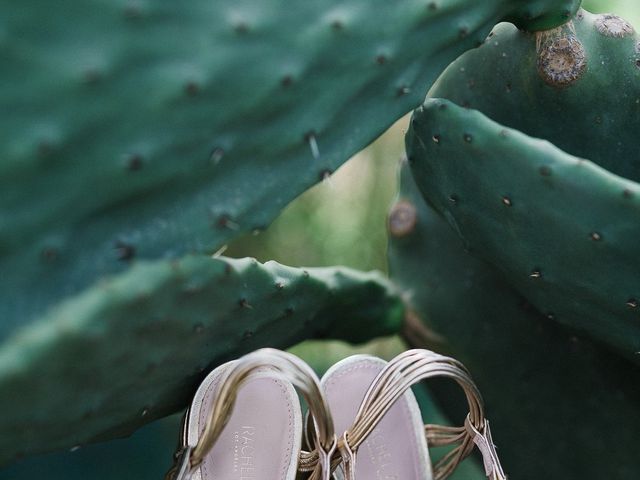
x=146 y=455
x=577 y=86
x=147 y=129
x=133 y=348
x=560 y=405
x=562 y=230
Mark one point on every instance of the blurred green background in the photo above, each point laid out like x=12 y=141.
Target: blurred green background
x=341 y=221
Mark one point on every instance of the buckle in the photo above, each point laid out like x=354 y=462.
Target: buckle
x=348 y=458
x=484 y=442
x=324 y=458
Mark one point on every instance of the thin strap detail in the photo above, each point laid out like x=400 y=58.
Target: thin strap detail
x=280 y=365
x=393 y=381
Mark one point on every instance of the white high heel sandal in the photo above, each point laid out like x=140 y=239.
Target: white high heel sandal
x=373 y=405
x=245 y=422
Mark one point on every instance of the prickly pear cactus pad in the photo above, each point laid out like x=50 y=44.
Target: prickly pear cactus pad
x=133 y=348
x=577 y=86
x=149 y=129
x=146 y=455
x=562 y=230
x=560 y=405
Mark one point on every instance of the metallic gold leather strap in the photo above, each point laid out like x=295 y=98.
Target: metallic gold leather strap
x=281 y=365
x=393 y=381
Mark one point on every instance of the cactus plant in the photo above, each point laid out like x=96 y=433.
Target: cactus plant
x=560 y=406
x=142 y=136
x=592 y=98
x=521 y=203
x=150 y=129
x=577 y=265
x=132 y=348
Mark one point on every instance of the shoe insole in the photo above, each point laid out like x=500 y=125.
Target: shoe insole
x=396 y=449
x=261 y=441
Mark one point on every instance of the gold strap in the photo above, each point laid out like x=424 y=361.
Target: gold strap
x=392 y=382
x=396 y=378
x=281 y=365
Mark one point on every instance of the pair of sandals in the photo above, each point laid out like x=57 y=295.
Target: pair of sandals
x=246 y=423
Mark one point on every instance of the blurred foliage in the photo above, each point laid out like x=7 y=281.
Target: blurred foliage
x=629 y=9
x=342 y=221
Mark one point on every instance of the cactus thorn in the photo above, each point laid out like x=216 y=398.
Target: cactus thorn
x=310 y=138
x=134 y=162
x=244 y=303
x=124 y=251
x=216 y=155
x=225 y=221
x=536 y=273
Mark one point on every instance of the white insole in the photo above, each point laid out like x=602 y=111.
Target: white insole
x=262 y=438
x=396 y=448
